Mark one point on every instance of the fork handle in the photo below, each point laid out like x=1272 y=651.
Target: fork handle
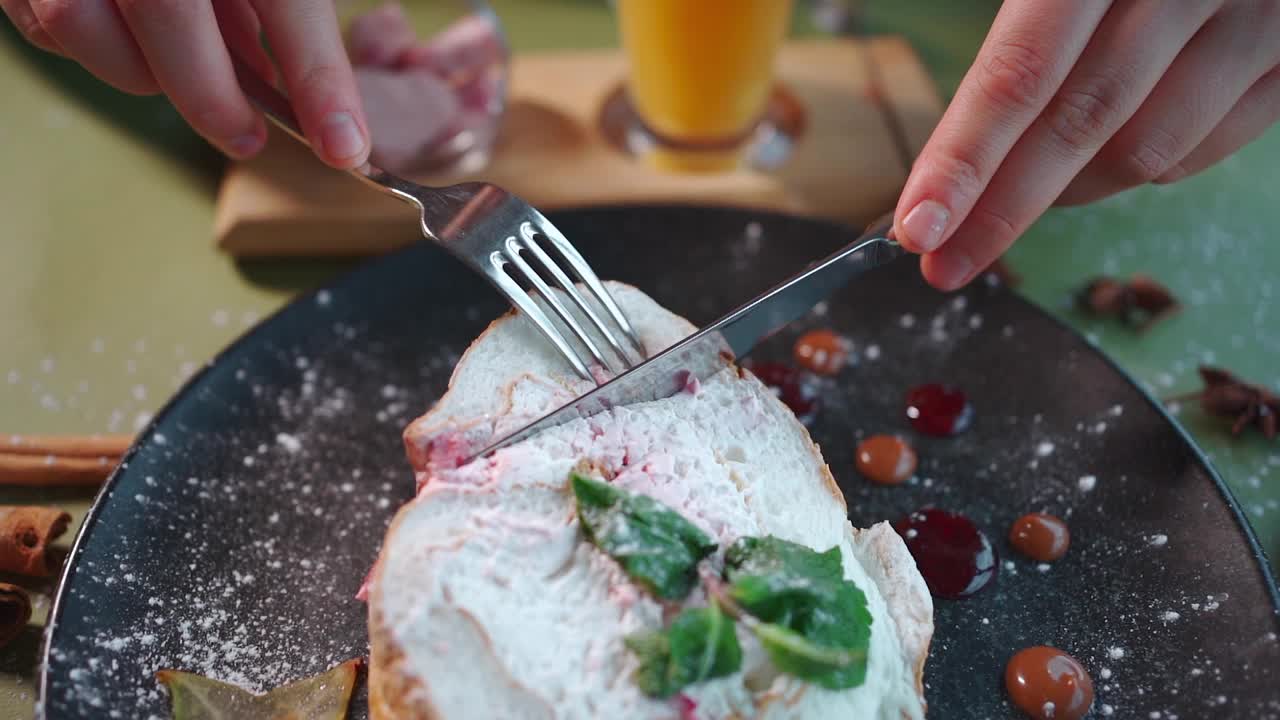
x=277 y=108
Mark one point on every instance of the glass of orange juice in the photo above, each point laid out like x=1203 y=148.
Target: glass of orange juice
x=700 y=80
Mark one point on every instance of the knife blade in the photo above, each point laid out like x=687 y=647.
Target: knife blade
x=726 y=340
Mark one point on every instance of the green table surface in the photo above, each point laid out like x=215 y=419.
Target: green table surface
x=111 y=291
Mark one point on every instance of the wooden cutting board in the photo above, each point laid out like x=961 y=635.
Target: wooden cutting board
x=869 y=106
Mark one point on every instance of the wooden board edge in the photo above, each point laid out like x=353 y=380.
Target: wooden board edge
x=910 y=94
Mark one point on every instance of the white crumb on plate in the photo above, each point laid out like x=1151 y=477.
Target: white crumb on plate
x=1087 y=483
x=1158 y=540
x=289 y=442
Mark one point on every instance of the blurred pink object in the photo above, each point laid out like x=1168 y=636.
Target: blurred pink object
x=433 y=105
x=379 y=37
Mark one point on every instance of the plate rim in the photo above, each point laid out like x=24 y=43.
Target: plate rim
x=374 y=263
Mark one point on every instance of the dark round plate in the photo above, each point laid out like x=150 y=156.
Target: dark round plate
x=234 y=540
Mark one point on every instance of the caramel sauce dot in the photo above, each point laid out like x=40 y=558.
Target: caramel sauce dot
x=885 y=459
x=1048 y=684
x=1040 y=536
x=824 y=352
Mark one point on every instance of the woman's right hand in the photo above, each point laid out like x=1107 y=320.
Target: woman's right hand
x=183 y=49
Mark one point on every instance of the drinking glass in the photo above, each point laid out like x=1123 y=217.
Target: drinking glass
x=700 y=82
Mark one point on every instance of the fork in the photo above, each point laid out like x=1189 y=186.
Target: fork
x=494 y=233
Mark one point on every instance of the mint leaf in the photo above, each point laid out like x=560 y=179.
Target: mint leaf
x=699 y=645
x=774 y=579
x=793 y=654
x=814 y=623
x=653 y=649
x=657 y=547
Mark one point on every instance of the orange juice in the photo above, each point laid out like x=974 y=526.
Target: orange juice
x=701 y=70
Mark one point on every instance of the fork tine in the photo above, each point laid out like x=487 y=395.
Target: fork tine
x=527 y=232
x=513 y=248
x=588 y=278
x=521 y=300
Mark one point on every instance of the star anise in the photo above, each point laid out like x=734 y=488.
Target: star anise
x=1141 y=302
x=1226 y=395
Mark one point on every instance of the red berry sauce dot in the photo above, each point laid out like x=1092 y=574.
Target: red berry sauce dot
x=939 y=410
x=953 y=555
x=791 y=385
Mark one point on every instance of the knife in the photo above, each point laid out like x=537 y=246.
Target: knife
x=726 y=340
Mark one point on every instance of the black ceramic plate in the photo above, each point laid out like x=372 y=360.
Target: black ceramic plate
x=235 y=539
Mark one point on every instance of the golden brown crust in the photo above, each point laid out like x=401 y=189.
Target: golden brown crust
x=390 y=688
x=396 y=693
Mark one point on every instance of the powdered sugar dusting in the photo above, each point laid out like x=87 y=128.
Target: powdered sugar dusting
x=290 y=443
x=267 y=616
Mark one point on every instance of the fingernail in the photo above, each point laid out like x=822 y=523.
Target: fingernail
x=924 y=225
x=341 y=136
x=246 y=145
x=951 y=270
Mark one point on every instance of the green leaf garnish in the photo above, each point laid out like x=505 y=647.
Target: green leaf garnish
x=814 y=623
x=657 y=547
x=319 y=697
x=793 y=654
x=699 y=645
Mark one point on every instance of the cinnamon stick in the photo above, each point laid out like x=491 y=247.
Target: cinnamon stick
x=55 y=470
x=91 y=446
x=26 y=531
x=15 y=611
